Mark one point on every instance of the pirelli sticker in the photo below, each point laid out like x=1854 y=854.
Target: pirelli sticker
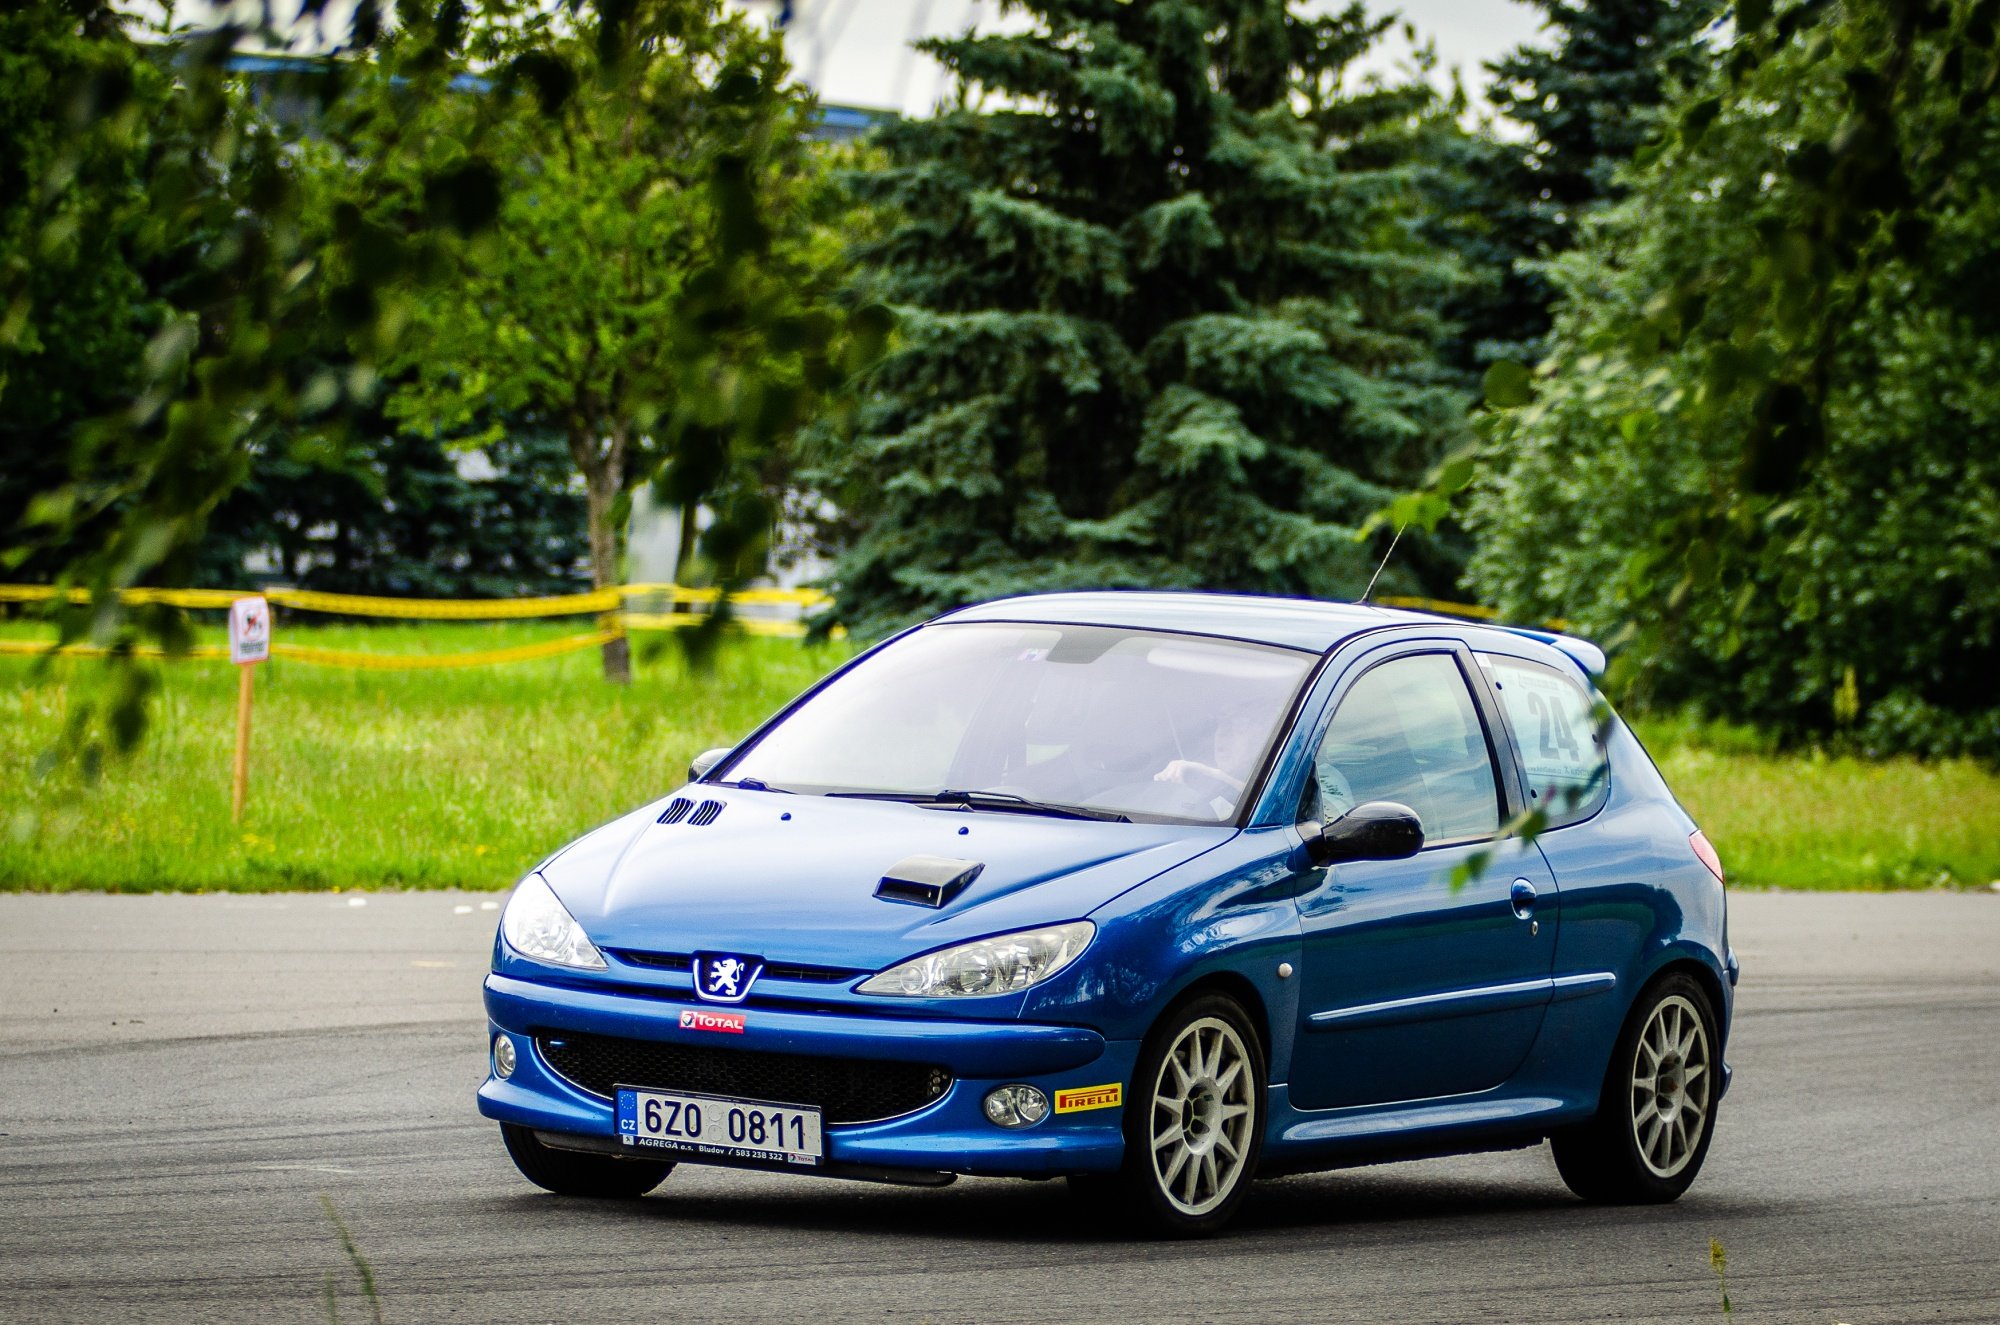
x=1084 y=1098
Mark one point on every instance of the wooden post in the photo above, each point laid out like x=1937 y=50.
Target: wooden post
x=241 y=782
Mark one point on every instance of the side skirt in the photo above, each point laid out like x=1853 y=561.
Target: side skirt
x=1306 y=1140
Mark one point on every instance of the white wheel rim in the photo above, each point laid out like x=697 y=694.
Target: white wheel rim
x=1673 y=1082
x=1203 y=1111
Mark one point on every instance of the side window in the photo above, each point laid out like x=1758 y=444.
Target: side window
x=1407 y=731
x=1556 y=734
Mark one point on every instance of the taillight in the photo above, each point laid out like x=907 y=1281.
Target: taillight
x=1699 y=841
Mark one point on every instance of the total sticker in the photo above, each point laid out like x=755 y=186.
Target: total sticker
x=1085 y=1098
x=697 y=1019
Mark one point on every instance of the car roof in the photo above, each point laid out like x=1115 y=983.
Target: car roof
x=1296 y=623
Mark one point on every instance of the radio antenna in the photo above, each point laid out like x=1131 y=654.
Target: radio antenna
x=1384 y=562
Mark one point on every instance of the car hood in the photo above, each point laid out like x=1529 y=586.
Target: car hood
x=793 y=878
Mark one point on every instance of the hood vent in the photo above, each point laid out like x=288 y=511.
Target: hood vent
x=927 y=880
x=703 y=815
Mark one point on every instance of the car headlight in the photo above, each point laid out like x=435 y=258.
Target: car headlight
x=535 y=924
x=999 y=965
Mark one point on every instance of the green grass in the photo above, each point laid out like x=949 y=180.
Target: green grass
x=372 y=779
x=1808 y=820
x=466 y=778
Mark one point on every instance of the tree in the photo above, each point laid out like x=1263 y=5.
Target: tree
x=1763 y=448
x=400 y=516
x=252 y=288
x=1589 y=93
x=1157 y=326
x=634 y=163
x=160 y=210
x=77 y=253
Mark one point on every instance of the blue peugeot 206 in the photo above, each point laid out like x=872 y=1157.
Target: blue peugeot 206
x=1157 y=892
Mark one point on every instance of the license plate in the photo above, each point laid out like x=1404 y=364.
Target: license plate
x=716 y=1128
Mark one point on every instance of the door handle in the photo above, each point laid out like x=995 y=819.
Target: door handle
x=1524 y=896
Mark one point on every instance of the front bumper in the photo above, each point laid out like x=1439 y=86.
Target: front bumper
x=950 y=1135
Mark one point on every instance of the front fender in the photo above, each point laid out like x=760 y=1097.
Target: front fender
x=1228 y=915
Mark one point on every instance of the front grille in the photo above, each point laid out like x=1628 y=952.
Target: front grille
x=683 y=961
x=659 y=961
x=846 y=1090
x=824 y=975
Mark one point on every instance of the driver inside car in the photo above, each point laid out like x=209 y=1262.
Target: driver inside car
x=1234 y=743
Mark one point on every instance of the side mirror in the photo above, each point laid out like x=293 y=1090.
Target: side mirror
x=706 y=760
x=1374 y=830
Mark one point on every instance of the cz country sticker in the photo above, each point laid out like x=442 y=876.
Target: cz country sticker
x=1084 y=1098
x=729 y=1023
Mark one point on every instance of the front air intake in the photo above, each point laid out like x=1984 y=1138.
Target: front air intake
x=847 y=1090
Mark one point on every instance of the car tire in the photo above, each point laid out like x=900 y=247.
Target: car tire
x=1656 y=1112
x=1194 y=1124
x=572 y=1173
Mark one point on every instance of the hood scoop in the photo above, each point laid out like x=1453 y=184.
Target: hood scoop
x=927 y=880
x=703 y=815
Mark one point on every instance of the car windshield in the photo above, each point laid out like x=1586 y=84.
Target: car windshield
x=1144 y=725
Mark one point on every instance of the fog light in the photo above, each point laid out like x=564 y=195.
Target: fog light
x=503 y=1057
x=1016 y=1106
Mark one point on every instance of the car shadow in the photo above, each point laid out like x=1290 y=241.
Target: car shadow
x=1018 y=1212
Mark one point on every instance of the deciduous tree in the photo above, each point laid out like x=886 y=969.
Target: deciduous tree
x=1764 y=448
x=654 y=282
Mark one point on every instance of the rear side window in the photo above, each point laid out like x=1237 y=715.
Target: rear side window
x=1555 y=731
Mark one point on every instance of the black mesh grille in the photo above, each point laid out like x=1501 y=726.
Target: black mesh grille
x=659 y=961
x=811 y=974
x=847 y=1090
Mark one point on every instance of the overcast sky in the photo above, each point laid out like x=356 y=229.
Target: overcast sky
x=856 y=52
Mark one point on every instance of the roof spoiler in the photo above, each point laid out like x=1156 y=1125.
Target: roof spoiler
x=1579 y=651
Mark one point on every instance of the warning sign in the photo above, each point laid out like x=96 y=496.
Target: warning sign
x=249 y=630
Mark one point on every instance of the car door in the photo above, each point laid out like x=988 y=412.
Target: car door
x=1416 y=983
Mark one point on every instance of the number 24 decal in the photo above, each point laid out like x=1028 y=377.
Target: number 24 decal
x=1558 y=738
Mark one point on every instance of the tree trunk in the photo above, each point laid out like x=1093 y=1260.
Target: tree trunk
x=601 y=492
x=684 y=553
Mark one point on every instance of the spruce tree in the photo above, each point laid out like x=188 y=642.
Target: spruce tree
x=1158 y=327
x=1590 y=96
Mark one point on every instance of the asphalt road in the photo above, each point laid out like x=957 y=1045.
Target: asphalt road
x=183 y=1078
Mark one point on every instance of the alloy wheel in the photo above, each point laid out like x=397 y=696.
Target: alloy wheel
x=1203 y=1117
x=1673 y=1082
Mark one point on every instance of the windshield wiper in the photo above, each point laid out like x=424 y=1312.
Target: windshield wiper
x=1005 y=801
x=755 y=784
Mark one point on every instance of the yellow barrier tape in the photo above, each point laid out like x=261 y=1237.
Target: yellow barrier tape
x=42 y=593
x=1469 y=610
x=1436 y=605
x=746 y=597
x=321 y=657
x=409 y=662
x=429 y=609
x=203 y=652
x=446 y=609
x=602 y=602
x=749 y=625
